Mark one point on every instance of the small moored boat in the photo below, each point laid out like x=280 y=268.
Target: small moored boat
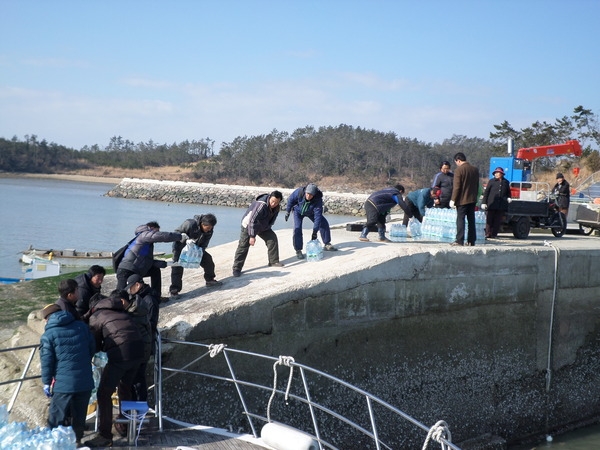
x=67 y=257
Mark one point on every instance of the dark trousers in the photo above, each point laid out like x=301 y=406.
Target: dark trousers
x=373 y=217
x=241 y=253
x=73 y=405
x=115 y=374
x=493 y=222
x=153 y=273
x=414 y=211
x=467 y=211
x=206 y=263
x=324 y=230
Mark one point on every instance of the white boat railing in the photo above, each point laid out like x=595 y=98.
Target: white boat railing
x=437 y=433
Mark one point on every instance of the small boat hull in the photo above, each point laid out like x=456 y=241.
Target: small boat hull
x=68 y=257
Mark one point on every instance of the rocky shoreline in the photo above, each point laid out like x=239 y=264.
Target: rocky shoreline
x=224 y=195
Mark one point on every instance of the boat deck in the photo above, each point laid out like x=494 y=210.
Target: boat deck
x=174 y=436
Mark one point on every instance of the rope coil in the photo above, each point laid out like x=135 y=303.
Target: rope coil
x=437 y=432
x=215 y=349
x=283 y=361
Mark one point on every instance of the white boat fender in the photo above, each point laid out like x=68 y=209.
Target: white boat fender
x=284 y=437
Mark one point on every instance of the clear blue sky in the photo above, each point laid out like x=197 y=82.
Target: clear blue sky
x=79 y=72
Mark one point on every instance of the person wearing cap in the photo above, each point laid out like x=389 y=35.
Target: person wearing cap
x=258 y=220
x=116 y=334
x=307 y=201
x=378 y=206
x=443 y=182
x=66 y=351
x=495 y=201
x=200 y=230
x=562 y=191
x=418 y=201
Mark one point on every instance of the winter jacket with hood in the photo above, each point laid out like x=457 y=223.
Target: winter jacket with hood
x=66 y=351
x=139 y=256
x=115 y=331
x=312 y=208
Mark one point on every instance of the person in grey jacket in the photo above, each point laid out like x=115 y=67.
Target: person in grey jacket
x=66 y=351
x=257 y=221
x=139 y=256
x=199 y=229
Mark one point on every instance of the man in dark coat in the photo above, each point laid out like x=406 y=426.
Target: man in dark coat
x=495 y=200
x=562 y=190
x=116 y=334
x=258 y=221
x=89 y=284
x=443 y=181
x=69 y=295
x=307 y=201
x=66 y=351
x=378 y=206
x=464 y=197
x=139 y=256
x=200 y=230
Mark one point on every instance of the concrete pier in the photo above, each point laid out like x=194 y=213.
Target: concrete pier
x=501 y=339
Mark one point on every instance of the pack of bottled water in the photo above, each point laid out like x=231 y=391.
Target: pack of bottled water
x=191 y=255
x=16 y=435
x=314 y=250
x=398 y=232
x=440 y=224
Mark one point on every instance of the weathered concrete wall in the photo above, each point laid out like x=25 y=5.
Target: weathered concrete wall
x=461 y=336
x=225 y=195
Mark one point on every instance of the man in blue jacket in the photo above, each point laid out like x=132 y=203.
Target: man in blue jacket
x=66 y=350
x=308 y=202
x=258 y=220
x=378 y=206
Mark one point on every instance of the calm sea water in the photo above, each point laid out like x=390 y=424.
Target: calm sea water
x=66 y=214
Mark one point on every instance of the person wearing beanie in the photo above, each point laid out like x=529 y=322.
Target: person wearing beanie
x=562 y=191
x=307 y=201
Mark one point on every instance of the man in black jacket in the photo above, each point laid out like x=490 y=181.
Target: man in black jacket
x=116 y=334
x=258 y=221
x=200 y=230
x=89 y=284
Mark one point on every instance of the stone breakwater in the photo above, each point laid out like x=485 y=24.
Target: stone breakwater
x=225 y=195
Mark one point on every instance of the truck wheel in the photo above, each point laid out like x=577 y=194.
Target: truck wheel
x=521 y=227
x=562 y=220
x=585 y=230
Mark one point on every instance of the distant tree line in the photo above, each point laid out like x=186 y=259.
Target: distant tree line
x=289 y=159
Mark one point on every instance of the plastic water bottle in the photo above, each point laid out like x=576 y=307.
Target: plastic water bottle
x=398 y=232
x=100 y=359
x=314 y=251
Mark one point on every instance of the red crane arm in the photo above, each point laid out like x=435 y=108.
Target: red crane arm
x=568 y=148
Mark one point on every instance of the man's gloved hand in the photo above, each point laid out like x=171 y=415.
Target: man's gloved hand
x=184 y=237
x=313 y=236
x=483 y=206
x=47 y=391
x=452 y=205
x=287 y=216
x=509 y=199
